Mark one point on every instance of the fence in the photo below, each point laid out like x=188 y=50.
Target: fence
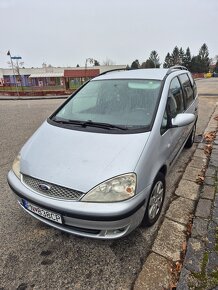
x=33 y=90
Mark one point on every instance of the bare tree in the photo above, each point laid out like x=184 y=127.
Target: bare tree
x=108 y=61
x=15 y=65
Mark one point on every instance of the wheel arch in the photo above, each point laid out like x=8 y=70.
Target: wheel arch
x=163 y=170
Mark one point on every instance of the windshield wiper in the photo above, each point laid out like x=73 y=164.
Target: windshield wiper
x=67 y=121
x=103 y=125
x=89 y=123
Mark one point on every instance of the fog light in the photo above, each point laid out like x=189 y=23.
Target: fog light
x=116 y=231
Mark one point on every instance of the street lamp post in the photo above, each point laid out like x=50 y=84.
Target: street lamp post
x=12 y=65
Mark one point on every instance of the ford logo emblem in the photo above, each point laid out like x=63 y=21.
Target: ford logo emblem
x=44 y=187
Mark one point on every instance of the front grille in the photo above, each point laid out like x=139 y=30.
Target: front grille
x=53 y=191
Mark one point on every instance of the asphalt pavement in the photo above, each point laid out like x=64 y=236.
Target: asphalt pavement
x=35 y=256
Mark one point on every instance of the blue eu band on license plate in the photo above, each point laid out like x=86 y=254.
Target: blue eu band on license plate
x=55 y=217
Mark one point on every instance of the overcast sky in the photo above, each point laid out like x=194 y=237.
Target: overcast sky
x=67 y=32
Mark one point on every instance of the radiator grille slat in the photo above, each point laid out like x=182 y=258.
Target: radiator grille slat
x=55 y=191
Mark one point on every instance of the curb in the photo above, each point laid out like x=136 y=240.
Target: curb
x=207 y=95
x=162 y=267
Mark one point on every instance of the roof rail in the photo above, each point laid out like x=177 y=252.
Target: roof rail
x=112 y=70
x=175 y=67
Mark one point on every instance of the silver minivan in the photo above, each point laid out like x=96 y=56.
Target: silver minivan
x=97 y=166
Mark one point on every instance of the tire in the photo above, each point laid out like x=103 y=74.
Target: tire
x=155 y=202
x=191 y=138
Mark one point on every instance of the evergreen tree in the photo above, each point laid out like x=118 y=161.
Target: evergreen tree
x=181 y=56
x=143 y=65
x=187 y=59
x=201 y=62
x=154 y=59
x=147 y=64
x=96 y=63
x=175 y=56
x=135 y=64
x=167 y=61
x=204 y=58
x=196 y=65
x=216 y=67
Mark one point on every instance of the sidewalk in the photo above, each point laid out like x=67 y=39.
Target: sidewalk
x=173 y=254
x=200 y=268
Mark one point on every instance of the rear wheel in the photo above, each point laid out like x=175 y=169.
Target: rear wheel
x=191 y=138
x=155 y=202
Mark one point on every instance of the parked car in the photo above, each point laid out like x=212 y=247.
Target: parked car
x=97 y=166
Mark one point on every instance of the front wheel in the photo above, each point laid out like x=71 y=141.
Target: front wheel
x=155 y=202
x=191 y=138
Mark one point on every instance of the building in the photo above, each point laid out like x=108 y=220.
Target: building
x=48 y=79
x=1 y=77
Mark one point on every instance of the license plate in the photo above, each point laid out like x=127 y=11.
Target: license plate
x=43 y=212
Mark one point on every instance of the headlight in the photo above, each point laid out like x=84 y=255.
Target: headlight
x=16 y=166
x=115 y=189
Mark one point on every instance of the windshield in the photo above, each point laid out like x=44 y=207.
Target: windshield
x=126 y=103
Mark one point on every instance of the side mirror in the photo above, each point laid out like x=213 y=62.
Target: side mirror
x=183 y=119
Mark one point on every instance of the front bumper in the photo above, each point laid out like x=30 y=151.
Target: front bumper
x=95 y=220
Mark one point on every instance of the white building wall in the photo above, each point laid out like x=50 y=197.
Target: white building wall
x=29 y=71
x=1 y=77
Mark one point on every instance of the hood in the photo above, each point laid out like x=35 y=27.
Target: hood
x=80 y=159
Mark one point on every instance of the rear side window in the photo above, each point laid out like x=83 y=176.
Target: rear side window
x=195 y=89
x=175 y=103
x=175 y=98
x=188 y=90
